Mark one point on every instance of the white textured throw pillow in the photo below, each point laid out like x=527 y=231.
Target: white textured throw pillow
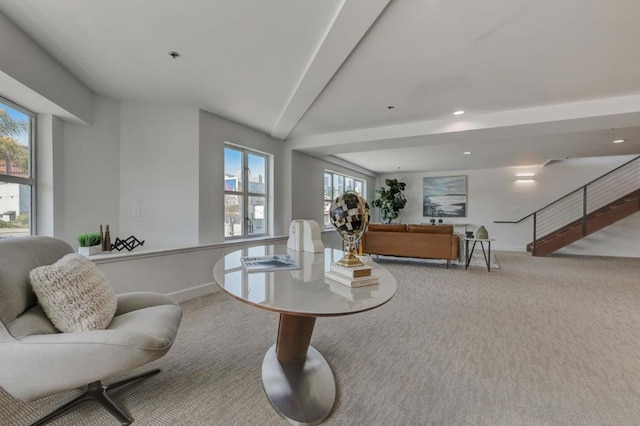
x=74 y=294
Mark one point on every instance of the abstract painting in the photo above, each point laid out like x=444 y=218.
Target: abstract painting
x=444 y=196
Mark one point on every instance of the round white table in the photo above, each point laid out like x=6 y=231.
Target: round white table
x=297 y=379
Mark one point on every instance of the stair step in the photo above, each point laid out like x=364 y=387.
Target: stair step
x=595 y=221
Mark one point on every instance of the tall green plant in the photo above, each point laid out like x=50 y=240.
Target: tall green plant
x=390 y=201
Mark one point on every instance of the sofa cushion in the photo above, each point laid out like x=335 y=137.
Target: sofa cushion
x=387 y=227
x=431 y=229
x=74 y=294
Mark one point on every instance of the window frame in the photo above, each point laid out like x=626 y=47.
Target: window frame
x=30 y=181
x=332 y=181
x=244 y=194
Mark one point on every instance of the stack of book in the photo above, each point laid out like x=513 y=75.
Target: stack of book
x=352 y=277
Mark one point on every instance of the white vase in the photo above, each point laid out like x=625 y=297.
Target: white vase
x=91 y=250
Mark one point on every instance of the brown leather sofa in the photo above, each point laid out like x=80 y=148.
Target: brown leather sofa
x=421 y=241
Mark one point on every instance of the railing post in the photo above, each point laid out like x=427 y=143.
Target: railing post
x=584 y=211
x=535 y=222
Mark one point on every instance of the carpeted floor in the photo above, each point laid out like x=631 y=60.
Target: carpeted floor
x=540 y=341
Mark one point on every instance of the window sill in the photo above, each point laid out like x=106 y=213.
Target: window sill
x=116 y=256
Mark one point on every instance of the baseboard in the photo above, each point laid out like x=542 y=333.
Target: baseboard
x=498 y=247
x=193 y=292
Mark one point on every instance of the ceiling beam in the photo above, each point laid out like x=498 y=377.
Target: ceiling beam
x=349 y=26
x=617 y=112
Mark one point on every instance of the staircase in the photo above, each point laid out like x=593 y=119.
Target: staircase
x=595 y=221
x=596 y=205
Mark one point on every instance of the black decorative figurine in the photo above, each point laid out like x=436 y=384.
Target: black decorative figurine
x=130 y=243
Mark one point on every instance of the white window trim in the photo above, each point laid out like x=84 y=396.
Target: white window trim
x=245 y=194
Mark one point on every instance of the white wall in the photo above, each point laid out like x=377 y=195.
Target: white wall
x=92 y=172
x=307 y=184
x=214 y=132
x=494 y=195
x=166 y=159
x=50 y=191
x=159 y=173
x=182 y=274
x=36 y=80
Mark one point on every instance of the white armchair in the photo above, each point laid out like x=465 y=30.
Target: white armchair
x=37 y=360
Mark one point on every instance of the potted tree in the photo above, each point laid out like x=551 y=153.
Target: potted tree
x=90 y=243
x=390 y=201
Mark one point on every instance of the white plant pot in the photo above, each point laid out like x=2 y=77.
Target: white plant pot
x=91 y=250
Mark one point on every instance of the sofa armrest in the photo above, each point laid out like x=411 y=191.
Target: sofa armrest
x=455 y=245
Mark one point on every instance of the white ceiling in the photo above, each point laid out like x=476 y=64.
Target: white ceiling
x=539 y=79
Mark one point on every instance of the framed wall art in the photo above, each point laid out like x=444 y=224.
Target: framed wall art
x=444 y=196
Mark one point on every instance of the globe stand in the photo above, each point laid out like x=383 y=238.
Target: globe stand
x=350 y=260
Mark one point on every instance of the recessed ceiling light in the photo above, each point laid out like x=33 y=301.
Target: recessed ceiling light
x=619 y=141
x=524 y=174
x=174 y=55
x=459 y=112
x=467 y=153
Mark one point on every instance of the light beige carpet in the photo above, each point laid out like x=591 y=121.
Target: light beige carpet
x=541 y=341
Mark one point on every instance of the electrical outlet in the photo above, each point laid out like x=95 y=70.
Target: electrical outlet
x=136 y=211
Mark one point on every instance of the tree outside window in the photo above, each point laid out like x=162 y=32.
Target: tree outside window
x=16 y=180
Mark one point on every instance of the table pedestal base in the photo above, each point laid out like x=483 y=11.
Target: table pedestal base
x=301 y=392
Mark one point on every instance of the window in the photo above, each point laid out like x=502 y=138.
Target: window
x=334 y=185
x=17 y=182
x=245 y=192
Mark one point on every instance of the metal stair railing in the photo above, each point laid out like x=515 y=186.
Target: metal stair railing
x=578 y=204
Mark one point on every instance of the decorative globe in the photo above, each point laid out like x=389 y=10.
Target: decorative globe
x=350 y=216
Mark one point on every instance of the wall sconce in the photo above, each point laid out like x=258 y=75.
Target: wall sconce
x=525 y=177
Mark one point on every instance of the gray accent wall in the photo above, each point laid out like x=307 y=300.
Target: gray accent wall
x=307 y=189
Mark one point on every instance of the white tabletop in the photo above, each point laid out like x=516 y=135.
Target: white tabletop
x=300 y=292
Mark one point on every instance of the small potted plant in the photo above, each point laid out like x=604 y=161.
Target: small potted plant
x=89 y=243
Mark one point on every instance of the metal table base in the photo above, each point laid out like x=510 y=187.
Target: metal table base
x=303 y=393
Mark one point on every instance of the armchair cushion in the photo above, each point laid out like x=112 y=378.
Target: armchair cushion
x=74 y=294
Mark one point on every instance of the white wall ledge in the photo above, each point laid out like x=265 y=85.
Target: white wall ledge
x=121 y=256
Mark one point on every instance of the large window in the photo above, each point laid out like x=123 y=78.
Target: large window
x=334 y=185
x=17 y=182
x=246 y=193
